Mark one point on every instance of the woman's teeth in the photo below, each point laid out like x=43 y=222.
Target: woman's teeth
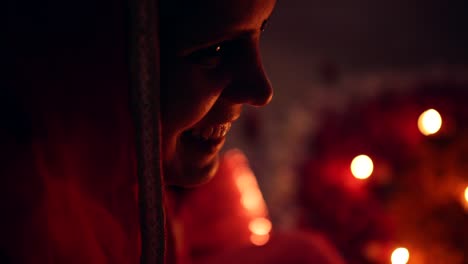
x=212 y=132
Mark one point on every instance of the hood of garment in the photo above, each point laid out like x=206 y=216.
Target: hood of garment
x=78 y=183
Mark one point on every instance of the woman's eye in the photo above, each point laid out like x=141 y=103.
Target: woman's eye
x=210 y=57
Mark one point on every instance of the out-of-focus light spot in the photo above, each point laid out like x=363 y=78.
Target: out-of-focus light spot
x=252 y=200
x=260 y=226
x=362 y=167
x=259 y=240
x=250 y=196
x=466 y=194
x=245 y=180
x=236 y=156
x=400 y=256
x=429 y=122
x=373 y=250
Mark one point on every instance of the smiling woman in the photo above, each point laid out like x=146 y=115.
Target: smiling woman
x=81 y=162
x=211 y=66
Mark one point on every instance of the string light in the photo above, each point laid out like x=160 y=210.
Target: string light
x=429 y=122
x=362 y=167
x=400 y=256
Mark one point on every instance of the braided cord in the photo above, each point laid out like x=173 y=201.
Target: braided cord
x=145 y=77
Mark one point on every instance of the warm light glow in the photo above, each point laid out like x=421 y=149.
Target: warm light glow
x=400 y=256
x=250 y=196
x=259 y=240
x=252 y=200
x=260 y=226
x=245 y=180
x=429 y=122
x=466 y=194
x=362 y=167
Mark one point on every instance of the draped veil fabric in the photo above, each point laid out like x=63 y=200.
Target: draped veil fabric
x=79 y=133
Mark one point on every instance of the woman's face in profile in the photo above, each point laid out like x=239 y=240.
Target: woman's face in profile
x=211 y=66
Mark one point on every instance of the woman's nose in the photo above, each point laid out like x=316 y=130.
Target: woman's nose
x=250 y=84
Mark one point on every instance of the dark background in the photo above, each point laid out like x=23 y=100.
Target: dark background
x=322 y=56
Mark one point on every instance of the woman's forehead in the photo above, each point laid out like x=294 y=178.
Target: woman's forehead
x=198 y=22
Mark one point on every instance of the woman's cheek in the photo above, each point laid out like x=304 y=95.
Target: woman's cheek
x=192 y=92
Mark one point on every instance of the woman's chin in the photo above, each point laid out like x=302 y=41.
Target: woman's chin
x=191 y=175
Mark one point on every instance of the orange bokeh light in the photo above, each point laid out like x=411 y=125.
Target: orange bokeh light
x=466 y=194
x=260 y=226
x=429 y=122
x=362 y=167
x=245 y=180
x=252 y=200
x=259 y=240
x=400 y=256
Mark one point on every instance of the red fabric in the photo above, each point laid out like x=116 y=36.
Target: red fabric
x=69 y=186
x=67 y=154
